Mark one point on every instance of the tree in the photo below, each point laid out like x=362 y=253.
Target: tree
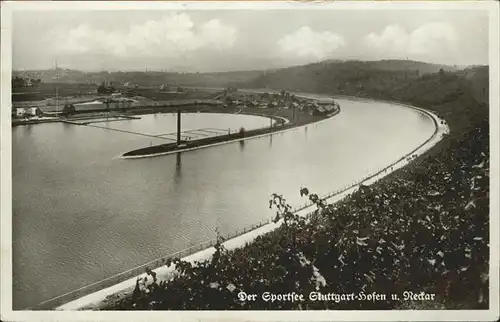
x=18 y=82
x=36 y=82
x=103 y=89
x=68 y=109
x=287 y=96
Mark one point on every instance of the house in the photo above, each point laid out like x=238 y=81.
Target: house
x=319 y=111
x=324 y=109
x=329 y=107
x=28 y=111
x=311 y=107
x=233 y=102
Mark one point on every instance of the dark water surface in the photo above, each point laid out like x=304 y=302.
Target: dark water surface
x=80 y=214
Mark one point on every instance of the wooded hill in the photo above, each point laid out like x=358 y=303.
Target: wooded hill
x=223 y=79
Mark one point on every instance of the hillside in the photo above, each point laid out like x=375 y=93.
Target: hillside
x=224 y=79
x=406 y=81
x=398 y=65
x=150 y=78
x=346 y=76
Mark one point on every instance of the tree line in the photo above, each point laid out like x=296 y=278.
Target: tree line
x=19 y=82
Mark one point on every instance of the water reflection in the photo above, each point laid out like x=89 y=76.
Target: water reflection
x=178 y=168
x=271 y=141
x=242 y=145
x=67 y=126
x=423 y=117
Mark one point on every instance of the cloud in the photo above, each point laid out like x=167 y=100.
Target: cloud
x=307 y=44
x=170 y=36
x=431 y=38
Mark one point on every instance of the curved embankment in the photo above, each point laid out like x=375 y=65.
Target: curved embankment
x=282 y=125
x=108 y=295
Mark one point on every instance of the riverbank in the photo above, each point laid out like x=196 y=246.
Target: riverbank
x=109 y=297
x=18 y=122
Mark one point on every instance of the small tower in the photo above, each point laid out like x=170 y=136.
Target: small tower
x=178 y=127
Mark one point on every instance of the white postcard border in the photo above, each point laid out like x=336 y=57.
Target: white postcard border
x=6 y=167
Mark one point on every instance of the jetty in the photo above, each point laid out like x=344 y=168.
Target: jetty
x=182 y=145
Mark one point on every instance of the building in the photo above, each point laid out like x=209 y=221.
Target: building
x=28 y=112
x=311 y=107
x=324 y=109
x=91 y=106
x=254 y=104
x=319 y=111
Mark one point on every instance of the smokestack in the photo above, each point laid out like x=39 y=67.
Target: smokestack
x=178 y=127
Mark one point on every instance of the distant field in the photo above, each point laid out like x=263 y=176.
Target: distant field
x=158 y=95
x=45 y=91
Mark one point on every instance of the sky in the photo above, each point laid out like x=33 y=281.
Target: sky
x=228 y=40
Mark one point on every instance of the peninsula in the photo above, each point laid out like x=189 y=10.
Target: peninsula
x=306 y=112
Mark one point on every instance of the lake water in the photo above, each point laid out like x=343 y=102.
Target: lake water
x=81 y=214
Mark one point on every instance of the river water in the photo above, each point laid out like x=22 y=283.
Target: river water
x=81 y=214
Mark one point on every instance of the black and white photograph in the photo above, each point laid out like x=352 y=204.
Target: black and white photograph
x=246 y=161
